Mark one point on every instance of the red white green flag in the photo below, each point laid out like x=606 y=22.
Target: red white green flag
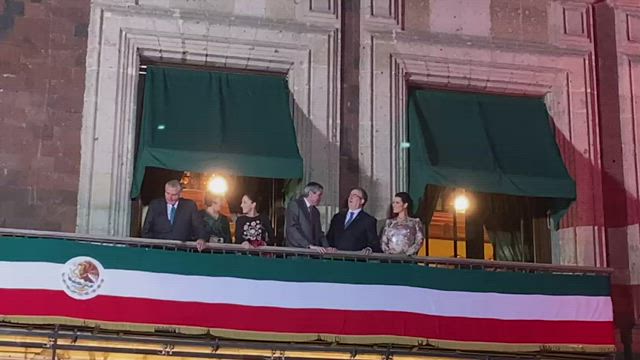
x=297 y=299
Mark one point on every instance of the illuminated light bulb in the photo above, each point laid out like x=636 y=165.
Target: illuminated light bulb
x=461 y=203
x=217 y=185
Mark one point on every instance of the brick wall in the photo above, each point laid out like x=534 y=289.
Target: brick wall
x=42 y=65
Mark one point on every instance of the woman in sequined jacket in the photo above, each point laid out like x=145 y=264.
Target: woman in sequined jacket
x=402 y=234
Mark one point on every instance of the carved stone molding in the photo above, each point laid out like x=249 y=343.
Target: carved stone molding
x=571 y=24
x=628 y=29
x=629 y=98
x=328 y=7
x=311 y=11
x=629 y=4
x=387 y=13
x=119 y=37
x=633 y=28
x=318 y=11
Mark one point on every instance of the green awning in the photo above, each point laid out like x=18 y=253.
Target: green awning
x=211 y=121
x=485 y=143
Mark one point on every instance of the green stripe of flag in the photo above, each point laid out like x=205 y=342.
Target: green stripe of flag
x=302 y=269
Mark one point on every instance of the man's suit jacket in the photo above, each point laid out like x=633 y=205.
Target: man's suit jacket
x=187 y=224
x=360 y=234
x=303 y=227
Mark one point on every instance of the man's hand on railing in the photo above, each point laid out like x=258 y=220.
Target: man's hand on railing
x=319 y=249
x=322 y=250
x=200 y=244
x=367 y=251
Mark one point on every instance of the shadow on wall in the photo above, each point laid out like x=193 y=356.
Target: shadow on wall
x=596 y=187
x=318 y=152
x=321 y=141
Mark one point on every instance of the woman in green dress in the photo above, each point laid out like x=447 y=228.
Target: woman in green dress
x=216 y=224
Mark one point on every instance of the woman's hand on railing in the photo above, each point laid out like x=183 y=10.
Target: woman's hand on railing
x=200 y=244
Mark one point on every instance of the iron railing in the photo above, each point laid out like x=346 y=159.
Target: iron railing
x=286 y=252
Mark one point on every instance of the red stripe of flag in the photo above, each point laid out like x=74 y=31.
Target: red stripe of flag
x=303 y=321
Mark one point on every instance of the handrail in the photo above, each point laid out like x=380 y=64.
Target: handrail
x=296 y=252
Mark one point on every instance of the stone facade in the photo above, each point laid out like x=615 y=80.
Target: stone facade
x=42 y=73
x=475 y=50
x=529 y=47
x=67 y=165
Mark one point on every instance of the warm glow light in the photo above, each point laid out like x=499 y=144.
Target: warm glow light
x=461 y=203
x=217 y=185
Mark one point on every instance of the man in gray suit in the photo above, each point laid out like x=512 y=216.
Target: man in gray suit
x=303 y=228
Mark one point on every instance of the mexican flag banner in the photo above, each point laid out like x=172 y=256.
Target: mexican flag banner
x=48 y=280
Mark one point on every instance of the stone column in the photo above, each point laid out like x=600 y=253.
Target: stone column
x=617 y=36
x=349 y=105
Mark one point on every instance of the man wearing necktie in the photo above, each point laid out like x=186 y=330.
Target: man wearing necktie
x=353 y=229
x=174 y=218
x=303 y=228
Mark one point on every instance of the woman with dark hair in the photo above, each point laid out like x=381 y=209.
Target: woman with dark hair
x=253 y=229
x=402 y=234
x=216 y=224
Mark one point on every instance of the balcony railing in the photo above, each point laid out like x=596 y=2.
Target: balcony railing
x=287 y=252
x=111 y=291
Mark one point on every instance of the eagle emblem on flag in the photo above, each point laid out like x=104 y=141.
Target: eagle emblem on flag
x=82 y=277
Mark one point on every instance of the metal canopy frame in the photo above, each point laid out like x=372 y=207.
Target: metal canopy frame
x=59 y=338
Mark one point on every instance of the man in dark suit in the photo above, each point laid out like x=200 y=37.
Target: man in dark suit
x=174 y=218
x=303 y=228
x=353 y=229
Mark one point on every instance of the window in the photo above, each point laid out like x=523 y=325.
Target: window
x=194 y=122
x=501 y=151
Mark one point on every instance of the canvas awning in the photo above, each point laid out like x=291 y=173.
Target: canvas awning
x=486 y=143
x=204 y=121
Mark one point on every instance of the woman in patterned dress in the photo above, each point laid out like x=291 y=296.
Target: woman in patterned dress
x=253 y=229
x=402 y=234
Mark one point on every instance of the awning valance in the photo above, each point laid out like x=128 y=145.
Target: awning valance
x=485 y=143
x=204 y=121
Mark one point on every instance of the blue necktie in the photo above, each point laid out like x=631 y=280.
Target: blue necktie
x=349 y=219
x=172 y=214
